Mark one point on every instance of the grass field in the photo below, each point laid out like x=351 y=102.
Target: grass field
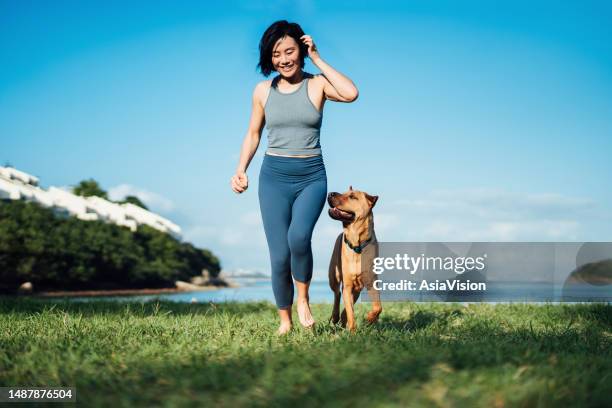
x=445 y=355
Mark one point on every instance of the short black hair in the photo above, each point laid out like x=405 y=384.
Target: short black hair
x=276 y=31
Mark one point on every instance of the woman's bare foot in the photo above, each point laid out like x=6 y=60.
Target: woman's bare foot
x=285 y=318
x=303 y=310
x=284 y=328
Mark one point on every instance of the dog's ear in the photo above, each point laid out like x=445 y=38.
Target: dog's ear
x=371 y=200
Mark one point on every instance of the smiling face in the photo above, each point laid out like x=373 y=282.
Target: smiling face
x=286 y=56
x=350 y=206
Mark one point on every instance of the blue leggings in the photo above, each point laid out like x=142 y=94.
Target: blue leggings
x=292 y=193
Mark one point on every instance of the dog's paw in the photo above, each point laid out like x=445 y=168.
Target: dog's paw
x=372 y=317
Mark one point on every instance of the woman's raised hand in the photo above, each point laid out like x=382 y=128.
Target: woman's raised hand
x=313 y=53
x=240 y=182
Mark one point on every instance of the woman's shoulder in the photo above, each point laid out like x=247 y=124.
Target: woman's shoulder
x=261 y=91
x=263 y=85
x=262 y=88
x=318 y=79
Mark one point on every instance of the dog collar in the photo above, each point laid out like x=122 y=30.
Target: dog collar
x=359 y=247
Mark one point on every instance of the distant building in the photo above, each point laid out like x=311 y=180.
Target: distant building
x=17 y=185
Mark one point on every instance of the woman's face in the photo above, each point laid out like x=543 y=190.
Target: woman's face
x=286 y=56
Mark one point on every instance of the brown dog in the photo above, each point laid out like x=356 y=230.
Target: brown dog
x=354 y=252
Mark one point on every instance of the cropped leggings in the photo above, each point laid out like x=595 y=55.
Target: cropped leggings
x=292 y=192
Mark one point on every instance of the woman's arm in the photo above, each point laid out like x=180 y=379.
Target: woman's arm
x=336 y=86
x=251 y=140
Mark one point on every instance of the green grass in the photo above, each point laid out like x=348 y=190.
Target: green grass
x=445 y=355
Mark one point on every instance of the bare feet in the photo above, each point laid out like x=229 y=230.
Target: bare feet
x=303 y=310
x=285 y=320
x=284 y=328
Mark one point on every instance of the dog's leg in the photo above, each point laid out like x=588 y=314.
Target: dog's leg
x=348 y=306
x=335 y=278
x=343 y=318
x=373 y=314
x=335 y=317
x=355 y=290
x=336 y=310
x=373 y=294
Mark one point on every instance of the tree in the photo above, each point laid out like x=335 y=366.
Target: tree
x=134 y=200
x=67 y=253
x=88 y=188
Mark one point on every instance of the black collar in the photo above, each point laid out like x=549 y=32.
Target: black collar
x=359 y=247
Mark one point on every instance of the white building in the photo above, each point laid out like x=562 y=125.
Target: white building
x=17 y=185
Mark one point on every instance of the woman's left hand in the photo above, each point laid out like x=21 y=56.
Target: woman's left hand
x=313 y=53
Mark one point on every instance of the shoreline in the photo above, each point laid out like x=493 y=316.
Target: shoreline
x=119 y=292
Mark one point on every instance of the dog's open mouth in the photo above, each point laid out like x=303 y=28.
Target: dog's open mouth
x=341 y=215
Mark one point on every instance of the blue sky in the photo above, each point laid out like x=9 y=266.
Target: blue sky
x=475 y=121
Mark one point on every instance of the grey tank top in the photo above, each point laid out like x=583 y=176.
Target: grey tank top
x=292 y=121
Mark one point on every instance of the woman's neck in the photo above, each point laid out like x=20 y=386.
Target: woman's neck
x=295 y=79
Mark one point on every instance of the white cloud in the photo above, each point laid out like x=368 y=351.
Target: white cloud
x=237 y=235
x=200 y=233
x=252 y=218
x=384 y=222
x=491 y=203
x=448 y=216
x=153 y=200
x=481 y=214
x=64 y=188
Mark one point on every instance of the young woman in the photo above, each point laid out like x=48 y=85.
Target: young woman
x=292 y=179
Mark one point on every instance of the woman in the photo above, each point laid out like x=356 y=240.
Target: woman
x=292 y=179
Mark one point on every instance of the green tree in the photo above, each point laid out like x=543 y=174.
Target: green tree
x=134 y=200
x=88 y=188
x=56 y=252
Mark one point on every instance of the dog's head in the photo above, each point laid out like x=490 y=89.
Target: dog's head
x=350 y=206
